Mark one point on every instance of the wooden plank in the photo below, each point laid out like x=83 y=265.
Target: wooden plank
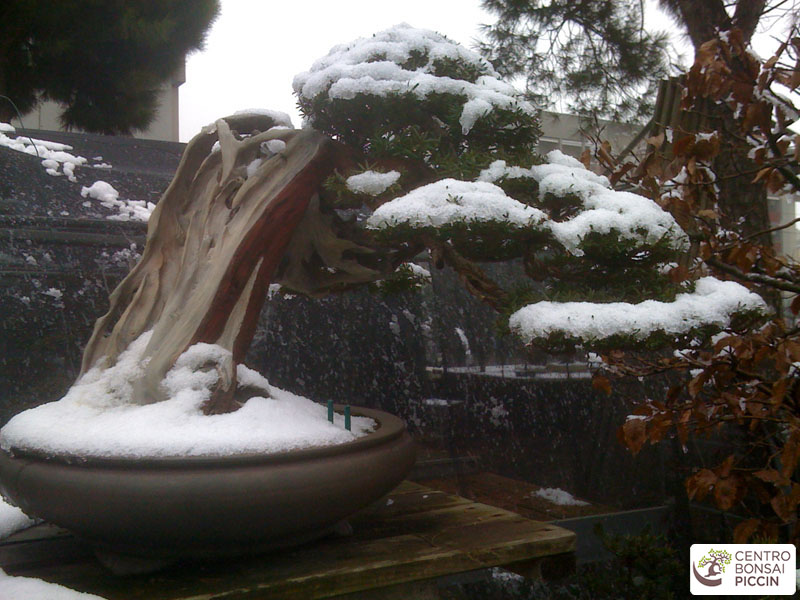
x=511 y=494
x=419 y=536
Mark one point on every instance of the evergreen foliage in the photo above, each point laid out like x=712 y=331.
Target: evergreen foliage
x=471 y=195
x=103 y=60
x=595 y=54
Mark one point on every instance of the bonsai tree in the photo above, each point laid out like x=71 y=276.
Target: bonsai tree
x=411 y=144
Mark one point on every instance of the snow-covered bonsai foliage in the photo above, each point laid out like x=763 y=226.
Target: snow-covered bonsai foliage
x=450 y=155
x=412 y=144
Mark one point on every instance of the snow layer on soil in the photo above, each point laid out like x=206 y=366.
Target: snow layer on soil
x=373 y=66
x=712 y=303
x=560 y=497
x=28 y=588
x=97 y=418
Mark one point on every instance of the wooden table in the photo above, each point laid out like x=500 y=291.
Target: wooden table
x=400 y=547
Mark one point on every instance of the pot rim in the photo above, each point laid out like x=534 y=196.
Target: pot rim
x=389 y=427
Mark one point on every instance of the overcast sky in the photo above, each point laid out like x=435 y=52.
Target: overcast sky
x=256 y=47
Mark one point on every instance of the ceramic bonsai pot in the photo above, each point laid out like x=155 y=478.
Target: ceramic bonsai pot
x=162 y=508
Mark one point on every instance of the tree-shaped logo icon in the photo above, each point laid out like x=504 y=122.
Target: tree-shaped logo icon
x=715 y=561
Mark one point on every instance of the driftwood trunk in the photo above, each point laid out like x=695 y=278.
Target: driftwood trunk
x=215 y=242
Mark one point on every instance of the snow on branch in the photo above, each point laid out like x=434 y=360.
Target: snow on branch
x=371 y=182
x=712 y=303
x=449 y=202
x=630 y=215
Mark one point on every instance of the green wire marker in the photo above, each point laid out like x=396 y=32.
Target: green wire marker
x=330 y=411
x=347 y=417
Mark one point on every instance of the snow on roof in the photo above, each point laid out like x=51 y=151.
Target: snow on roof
x=97 y=417
x=450 y=201
x=712 y=303
x=373 y=66
x=53 y=154
x=126 y=209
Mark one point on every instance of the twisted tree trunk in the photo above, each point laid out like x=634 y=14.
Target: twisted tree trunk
x=216 y=240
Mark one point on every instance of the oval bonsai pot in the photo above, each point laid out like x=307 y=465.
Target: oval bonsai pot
x=201 y=506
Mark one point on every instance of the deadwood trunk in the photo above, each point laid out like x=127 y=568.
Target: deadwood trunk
x=215 y=242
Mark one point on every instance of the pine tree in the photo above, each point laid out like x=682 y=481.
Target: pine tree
x=595 y=55
x=103 y=60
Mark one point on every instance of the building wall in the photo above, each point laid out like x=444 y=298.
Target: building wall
x=569 y=133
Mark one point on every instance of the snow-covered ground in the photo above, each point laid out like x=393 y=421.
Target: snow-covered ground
x=12 y=520
x=559 y=496
x=28 y=588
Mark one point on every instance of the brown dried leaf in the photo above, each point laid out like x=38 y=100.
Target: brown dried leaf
x=659 y=427
x=744 y=530
x=726 y=466
x=604 y=154
x=792 y=349
x=729 y=341
x=779 y=391
x=586 y=158
x=771 y=476
x=706 y=149
x=762 y=174
x=682 y=426
x=700 y=484
x=634 y=434
x=679 y=274
x=696 y=384
x=785 y=505
x=790 y=454
x=674 y=392
x=683 y=146
x=601 y=383
x=656 y=140
x=726 y=492
x=795 y=306
x=776 y=181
